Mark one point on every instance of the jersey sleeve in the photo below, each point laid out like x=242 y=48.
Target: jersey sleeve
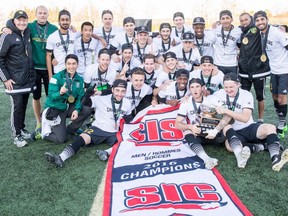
x=49 y=43
x=182 y=110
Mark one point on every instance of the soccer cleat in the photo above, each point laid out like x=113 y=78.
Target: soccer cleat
x=279 y=160
x=102 y=155
x=281 y=132
x=243 y=157
x=210 y=163
x=25 y=134
x=19 y=141
x=54 y=159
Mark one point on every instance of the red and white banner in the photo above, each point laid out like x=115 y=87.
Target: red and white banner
x=151 y=172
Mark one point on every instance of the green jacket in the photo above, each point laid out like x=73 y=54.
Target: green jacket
x=55 y=100
x=39 y=43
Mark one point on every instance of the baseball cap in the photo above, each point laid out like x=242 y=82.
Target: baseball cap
x=206 y=59
x=20 y=13
x=127 y=46
x=187 y=36
x=260 y=14
x=182 y=72
x=142 y=28
x=102 y=51
x=231 y=77
x=196 y=80
x=128 y=20
x=225 y=12
x=178 y=14
x=120 y=83
x=169 y=55
x=198 y=20
x=165 y=25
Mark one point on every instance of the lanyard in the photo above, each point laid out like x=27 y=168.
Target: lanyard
x=65 y=44
x=127 y=38
x=176 y=32
x=116 y=112
x=208 y=81
x=84 y=50
x=106 y=37
x=177 y=92
x=44 y=33
x=196 y=110
x=148 y=81
x=232 y=106
x=100 y=78
x=133 y=95
x=170 y=76
x=139 y=51
x=69 y=82
x=264 y=38
x=163 y=45
x=225 y=40
x=200 y=46
x=184 y=55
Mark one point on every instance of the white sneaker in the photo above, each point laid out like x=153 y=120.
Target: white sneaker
x=279 y=160
x=210 y=163
x=25 y=134
x=19 y=141
x=243 y=157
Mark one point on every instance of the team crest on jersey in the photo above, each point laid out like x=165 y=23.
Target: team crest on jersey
x=253 y=30
x=154 y=132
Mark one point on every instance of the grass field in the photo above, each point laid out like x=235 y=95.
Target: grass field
x=30 y=186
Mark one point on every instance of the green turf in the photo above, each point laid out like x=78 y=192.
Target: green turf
x=30 y=186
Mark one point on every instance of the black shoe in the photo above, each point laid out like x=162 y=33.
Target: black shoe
x=54 y=159
x=102 y=155
x=279 y=160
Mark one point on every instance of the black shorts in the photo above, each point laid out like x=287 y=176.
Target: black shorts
x=249 y=134
x=279 y=84
x=225 y=70
x=259 y=86
x=41 y=75
x=99 y=136
x=218 y=141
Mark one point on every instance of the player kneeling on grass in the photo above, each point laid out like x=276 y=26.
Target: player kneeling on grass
x=193 y=134
x=109 y=109
x=240 y=105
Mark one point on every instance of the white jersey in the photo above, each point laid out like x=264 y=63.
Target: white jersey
x=188 y=58
x=276 y=51
x=108 y=36
x=150 y=79
x=175 y=33
x=122 y=38
x=136 y=96
x=85 y=52
x=205 y=45
x=244 y=101
x=164 y=76
x=226 y=55
x=161 y=47
x=118 y=66
x=213 y=83
x=57 y=47
x=91 y=76
x=172 y=93
x=139 y=53
x=104 y=115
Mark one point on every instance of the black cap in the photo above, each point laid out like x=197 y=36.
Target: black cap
x=178 y=14
x=206 y=59
x=196 y=80
x=20 y=13
x=182 y=72
x=103 y=51
x=260 y=14
x=198 y=20
x=127 y=46
x=231 y=77
x=187 y=36
x=120 y=83
x=169 y=55
x=71 y=56
x=225 y=12
x=63 y=12
x=128 y=20
x=165 y=25
x=142 y=28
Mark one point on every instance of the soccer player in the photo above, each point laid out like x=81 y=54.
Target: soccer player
x=240 y=106
x=187 y=54
x=17 y=72
x=100 y=74
x=66 y=90
x=179 y=29
x=225 y=47
x=110 y=109
x=275 y=45
x=212 y=79
x=85 y=46
x=60 y=44
x=251 y=69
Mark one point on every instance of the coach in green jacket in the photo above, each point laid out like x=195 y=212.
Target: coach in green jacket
x=66 y=90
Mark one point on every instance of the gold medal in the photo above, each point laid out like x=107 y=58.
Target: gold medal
x=71 y=99
x=263 y=58
x=245 y=40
